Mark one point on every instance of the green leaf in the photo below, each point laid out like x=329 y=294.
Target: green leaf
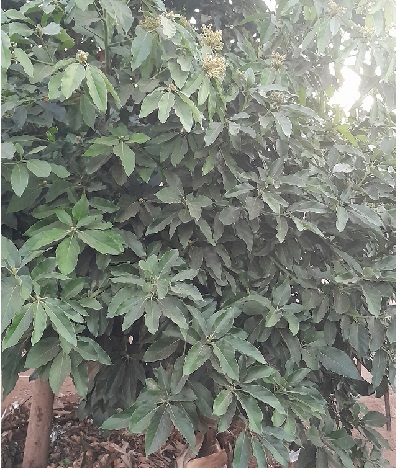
x=378 y=369
x=342 y=218
x=242 y=451
x=52 y=29
x=254 y=207
x=127 y=157
x=225 y=353
x=169 y=195
x=168 y=28
x=373 y=298
x=157 y=431
x=150 y=102
x=141 y=47
x=87 y=110
x=8 y=150
x=97 y=87
x=245 y=348
x=24 y=60
x=60 y=369
x=366 y=215
x=184 y=112
x=359 y=338
x=259 y=453
x=19 y=179
x=165 y=105
x=39 y=323
x=67 y=254
x=172 y=311
x=5 y=50
x=212 y=132
x=264 y=395
x=204 y=90
x=338 y=361
x=182 y=423
x=42 y=352
x=196 y=357
x=80 y=209
x=64 y=217
x=62 y=324
x=117 y=421
x=226 y=420
x=39 y=168
x=281 y=294
x=91 y=351
x=79 y=375
x=72 y=78
x=105 y=242
x=187 y=290
x=142 y=416
x=283 y=123
x=222 y=402
x=138 y=138
x=281 y=228
x=161 y=349
x=20 y=323
x=252 y=410
x=196 y=203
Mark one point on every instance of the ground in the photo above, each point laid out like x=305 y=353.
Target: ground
x=79 y=444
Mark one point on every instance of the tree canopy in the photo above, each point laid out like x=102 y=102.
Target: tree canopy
x=184 y=205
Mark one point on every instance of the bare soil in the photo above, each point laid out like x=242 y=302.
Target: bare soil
x=79 y=444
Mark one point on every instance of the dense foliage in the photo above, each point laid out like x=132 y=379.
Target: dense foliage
x=187 y=209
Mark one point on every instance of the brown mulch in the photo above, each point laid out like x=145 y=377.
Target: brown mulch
x=80 y=444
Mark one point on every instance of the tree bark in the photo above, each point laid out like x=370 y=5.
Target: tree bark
x=39 y=428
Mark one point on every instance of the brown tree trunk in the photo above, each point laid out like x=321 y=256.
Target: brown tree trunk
x=39 y=429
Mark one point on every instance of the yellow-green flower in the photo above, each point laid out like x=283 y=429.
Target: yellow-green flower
x=210 y=38
x=214 y=66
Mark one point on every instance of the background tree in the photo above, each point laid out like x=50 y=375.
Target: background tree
x=183 y=205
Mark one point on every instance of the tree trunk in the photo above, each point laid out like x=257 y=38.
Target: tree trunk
x=39 y=429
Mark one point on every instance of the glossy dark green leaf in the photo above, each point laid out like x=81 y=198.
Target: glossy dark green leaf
x=20 y=323
x=19 y=178
x=97 y=87
x=67 y=255
x=42 y=352
x=60 y=369
x=337 y=361
x=161 y=349
x=72 y=78
x=60 y=321
x=212 y=132
x=222 y=402
x=242 y=451
x=182 y=423
x=103 y=241
x=196 y=357
x=127 y=157
x=141 y=47
x=24 y=60
x=157 y=431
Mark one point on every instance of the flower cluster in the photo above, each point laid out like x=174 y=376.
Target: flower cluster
x=82 y=56
x=149 y=23
x=367 y=32
x=334 y=9
x=214 y=66
x=210 y=38
x=276 y=99
x=277 y=60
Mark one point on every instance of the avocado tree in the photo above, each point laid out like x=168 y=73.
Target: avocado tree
x=185 y=210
